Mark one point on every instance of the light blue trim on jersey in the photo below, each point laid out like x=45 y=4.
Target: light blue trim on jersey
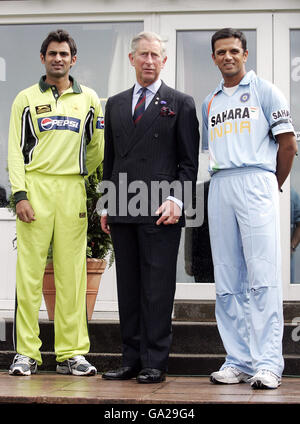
x=240 y=130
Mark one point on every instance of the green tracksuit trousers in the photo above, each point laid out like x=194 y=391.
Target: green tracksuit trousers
x=59 y=203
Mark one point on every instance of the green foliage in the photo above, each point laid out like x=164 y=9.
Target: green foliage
x=99 y=244
x=11 y=204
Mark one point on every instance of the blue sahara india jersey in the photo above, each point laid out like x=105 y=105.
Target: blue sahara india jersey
x=240 y=130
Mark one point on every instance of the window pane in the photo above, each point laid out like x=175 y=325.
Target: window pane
x=197 y=75
x=102 y=52
x=295 y=175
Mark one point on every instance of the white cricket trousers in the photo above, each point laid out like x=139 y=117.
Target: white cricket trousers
x=243 y=211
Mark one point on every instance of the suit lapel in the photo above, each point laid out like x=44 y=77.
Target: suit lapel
x=125 y=110
x=151 y=113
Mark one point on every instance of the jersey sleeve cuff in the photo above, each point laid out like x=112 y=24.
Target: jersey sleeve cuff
x=20 y=195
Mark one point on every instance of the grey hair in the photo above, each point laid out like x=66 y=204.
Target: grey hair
x=149 y=36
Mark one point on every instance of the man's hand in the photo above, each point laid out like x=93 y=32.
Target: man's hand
x=285 y=156
x=295 y=240
x=170 y=213
x=24 y=211
x=104 y=225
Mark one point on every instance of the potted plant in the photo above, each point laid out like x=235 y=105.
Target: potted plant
x=99 y=250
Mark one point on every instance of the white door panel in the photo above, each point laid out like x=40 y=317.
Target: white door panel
x=190 y=68
x=287 y=78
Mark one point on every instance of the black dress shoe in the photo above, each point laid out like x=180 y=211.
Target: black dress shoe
x=123 y=373
x=151 y=375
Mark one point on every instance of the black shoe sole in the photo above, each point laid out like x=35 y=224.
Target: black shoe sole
x=19 y=373
x=117 y=378
x=149 y=381
x=214 y=381
x=258 y=385
x=107 y=377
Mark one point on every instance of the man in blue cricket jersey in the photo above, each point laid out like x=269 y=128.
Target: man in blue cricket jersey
x=251 y=141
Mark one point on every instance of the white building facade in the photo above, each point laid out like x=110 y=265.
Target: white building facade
x=103 y=30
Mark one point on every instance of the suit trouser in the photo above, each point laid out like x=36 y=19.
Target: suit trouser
x=59 y=203
x=146 y=257
x=243 y=210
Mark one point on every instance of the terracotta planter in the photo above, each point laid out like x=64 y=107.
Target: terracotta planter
x=95 y=269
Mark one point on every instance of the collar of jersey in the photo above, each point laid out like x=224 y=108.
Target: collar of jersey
x=245 y=81
x=44 y=85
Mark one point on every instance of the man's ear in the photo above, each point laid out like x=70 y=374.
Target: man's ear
x=213 y=58
x=131 y=58
x=164 y=62
x=73 y=61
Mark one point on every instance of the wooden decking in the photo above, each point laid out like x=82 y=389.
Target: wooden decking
x=51 y=388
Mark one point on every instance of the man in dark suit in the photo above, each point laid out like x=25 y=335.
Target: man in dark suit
x=149 y=138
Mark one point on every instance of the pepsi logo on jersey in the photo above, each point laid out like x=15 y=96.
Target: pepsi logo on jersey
x=59 y=123
x=100 y=122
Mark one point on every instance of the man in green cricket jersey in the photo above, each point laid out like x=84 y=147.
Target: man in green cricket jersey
x=55 y=140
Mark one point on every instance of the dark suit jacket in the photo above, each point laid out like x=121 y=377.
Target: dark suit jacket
x=162 y=147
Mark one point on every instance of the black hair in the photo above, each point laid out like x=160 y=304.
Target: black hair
x=59 y=36
x=228 y=33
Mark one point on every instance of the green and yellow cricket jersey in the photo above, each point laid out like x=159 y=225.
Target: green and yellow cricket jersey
x=54 y=135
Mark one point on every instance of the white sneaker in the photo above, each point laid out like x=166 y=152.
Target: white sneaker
x=265 y=379
x=22 y=365
x=229 y=375
x=77 y=365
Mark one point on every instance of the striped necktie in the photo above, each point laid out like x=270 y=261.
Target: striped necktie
x=140 y=106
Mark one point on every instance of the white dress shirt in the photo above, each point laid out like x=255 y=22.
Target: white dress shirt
x=151 y=90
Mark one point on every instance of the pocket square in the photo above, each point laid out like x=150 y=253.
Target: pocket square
x=166 y=111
